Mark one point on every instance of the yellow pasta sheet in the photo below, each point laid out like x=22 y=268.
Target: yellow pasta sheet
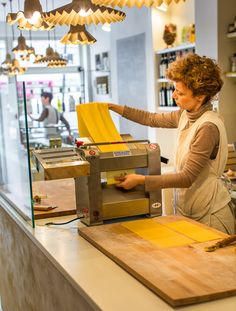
x=193 y=231
x=94 y=121
x=171 y=234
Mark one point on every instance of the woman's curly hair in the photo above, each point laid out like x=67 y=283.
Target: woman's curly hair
x=201 y=75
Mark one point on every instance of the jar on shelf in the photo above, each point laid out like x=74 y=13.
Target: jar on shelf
x=231 y=28
x=233 y=63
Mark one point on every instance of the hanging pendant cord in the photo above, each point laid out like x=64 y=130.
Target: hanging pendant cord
x=4 y=8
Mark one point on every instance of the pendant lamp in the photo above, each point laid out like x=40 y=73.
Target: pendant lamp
x=52 y=59
x=16 y=69
x=131 y=3
x=6 y=64
x=57 y=61
x=78 y=35
x=30 y=18
x=80 y=12
x=22 y=47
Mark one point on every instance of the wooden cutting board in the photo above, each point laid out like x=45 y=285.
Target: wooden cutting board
x=181 y=275
x=59 y=193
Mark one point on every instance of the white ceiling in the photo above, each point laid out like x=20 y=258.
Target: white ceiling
x=57 y=3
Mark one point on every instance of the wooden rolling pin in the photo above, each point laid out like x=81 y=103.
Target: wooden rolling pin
x=220 y=244
x=43 y=207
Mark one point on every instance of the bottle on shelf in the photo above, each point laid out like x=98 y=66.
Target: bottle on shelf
x=63 y=107
x=165 y=95
x=59 y=105
x=71 y=103
x=169 y=95
x=161 y=75
x=162 y=96
x=233 y=63
x=166 y=89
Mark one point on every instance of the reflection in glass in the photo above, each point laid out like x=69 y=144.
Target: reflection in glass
x=15 y=178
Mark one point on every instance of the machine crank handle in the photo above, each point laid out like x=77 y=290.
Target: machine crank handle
x=164 y=160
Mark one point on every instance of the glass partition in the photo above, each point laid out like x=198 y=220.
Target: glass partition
x=15 y=177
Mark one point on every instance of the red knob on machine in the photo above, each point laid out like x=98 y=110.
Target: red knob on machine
x=79 y=143
x=92 y=152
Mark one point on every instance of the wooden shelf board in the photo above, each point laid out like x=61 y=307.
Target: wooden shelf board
x=231 y=35
x=231 y=74
x=176 y=48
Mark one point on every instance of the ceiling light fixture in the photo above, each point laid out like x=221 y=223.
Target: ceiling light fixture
x=6 y=64
x=131 y=3
x=78 y=35
x=15 y=67
x=163 y=7
x=22 y=47
x=30 y=18
x=51 y=59
x=70 y=14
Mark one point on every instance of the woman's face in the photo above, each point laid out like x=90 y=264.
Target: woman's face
x=184 y=98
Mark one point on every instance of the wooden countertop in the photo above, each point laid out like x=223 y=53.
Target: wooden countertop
x=103 y=284
x=108 y=285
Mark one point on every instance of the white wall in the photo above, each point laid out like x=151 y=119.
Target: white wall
x=206 y=19
x=137 y=21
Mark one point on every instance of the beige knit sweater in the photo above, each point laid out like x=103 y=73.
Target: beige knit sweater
x=203 y=148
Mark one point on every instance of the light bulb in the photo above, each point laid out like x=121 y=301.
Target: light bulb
x=84 y=13
x=163 y=7
x=106 y=27
x=34 y=19
x=32 y=58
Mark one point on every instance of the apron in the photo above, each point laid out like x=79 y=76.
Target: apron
x=207 y=195
x=52 y=119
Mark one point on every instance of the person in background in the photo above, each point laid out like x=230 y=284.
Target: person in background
x=202 y=151
x=50 y=116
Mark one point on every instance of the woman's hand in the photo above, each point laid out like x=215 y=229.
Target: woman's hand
x=130 y=181
x=116 y=108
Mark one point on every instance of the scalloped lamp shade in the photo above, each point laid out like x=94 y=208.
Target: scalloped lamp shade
x=30 y=18
x=81 y=12
x=57 y=61
x=16 y=69
x=7 y=62
x=131 y=3
x=78 y=35
x=46 y=59
x=22 y=47
x=52 y=59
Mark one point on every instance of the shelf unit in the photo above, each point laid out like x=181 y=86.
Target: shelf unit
x=164 y=87
x=230 y=74
x=231 y=35
x=181 y=47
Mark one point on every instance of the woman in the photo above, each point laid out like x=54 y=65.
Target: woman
x=202 y=144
